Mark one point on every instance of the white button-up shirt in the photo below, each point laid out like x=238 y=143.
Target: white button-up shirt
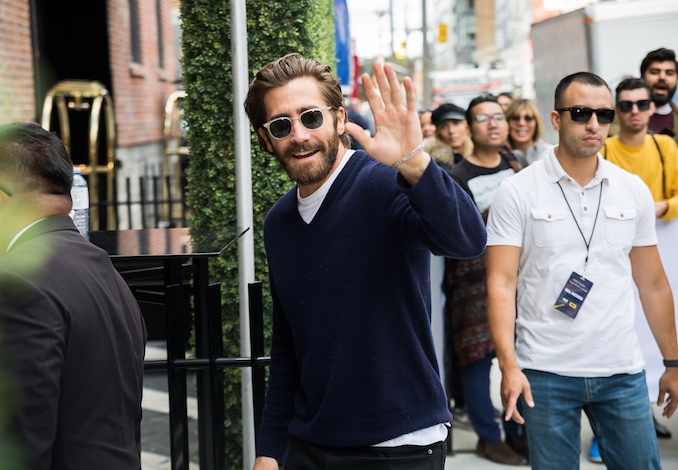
x=530 y=212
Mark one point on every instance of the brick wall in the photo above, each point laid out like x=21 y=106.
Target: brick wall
x=140 y=89
x=17 y=95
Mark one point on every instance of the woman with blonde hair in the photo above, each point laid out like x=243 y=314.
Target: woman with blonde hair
x=525 y=130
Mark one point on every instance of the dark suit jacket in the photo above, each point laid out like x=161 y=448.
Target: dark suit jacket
x=73 y=339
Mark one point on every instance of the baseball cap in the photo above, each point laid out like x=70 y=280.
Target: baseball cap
x=447 y=111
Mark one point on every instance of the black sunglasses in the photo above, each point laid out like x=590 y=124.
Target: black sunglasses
x=279 y=128
x=527 y=118
x=626 y=105
x=582 y=114
x=5 y=190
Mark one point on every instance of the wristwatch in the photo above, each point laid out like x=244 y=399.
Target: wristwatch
x=673 y=363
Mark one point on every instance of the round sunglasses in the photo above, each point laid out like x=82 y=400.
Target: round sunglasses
x=312 y=119
x=582 y=114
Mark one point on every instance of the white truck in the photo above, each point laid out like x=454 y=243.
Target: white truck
x=607 y=38
x=461 y=86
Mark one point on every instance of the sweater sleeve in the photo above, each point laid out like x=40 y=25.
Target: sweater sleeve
x=437 y=214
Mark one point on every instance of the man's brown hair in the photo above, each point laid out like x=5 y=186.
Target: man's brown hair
x=282 y=71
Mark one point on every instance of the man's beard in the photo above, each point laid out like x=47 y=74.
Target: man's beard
x=311 y=172
x=663 y=100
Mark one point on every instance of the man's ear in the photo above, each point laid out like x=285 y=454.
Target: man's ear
x=264 y=135
x=555 y=120
x=341 y=120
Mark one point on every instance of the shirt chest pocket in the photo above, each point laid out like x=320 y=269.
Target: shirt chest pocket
x=620 y=225
x=549 y=227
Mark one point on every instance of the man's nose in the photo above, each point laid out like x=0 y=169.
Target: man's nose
x=593 y=123
x=299 y=132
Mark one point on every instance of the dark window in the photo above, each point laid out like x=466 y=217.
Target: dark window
x=134 y=31
x=161 y=50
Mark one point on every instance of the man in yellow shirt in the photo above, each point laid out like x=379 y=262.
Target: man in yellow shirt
x=653 y=157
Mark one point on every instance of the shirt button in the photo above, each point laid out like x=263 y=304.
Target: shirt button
x=586 y=208
x=430 y=452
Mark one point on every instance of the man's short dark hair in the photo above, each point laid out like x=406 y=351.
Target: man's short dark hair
x=660 y=55
x=475 y=102
x=632 y=83
x=33 y=159
x=585 y=78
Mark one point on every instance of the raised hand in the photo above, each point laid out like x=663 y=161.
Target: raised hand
x=396 y=120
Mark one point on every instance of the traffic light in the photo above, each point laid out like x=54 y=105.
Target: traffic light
x=442 y=32
x=401 y=53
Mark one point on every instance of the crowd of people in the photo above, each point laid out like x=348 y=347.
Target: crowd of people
x=542 y=241
x=640 y=140
x=550 y=297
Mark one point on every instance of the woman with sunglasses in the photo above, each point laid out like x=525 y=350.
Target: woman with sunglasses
x=525 y=131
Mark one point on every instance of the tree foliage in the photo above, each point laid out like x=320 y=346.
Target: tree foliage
x=274 y=28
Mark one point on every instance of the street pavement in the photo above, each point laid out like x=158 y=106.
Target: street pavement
x=155 y=442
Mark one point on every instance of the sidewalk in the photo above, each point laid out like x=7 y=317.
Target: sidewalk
x=155 y=441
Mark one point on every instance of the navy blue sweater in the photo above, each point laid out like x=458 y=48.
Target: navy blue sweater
x=353 y=360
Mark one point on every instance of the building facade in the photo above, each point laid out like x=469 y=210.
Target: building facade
x=128 y=47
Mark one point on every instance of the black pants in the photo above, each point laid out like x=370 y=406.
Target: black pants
x=304 y=456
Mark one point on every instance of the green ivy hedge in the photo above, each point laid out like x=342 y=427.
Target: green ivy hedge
x=274 y=28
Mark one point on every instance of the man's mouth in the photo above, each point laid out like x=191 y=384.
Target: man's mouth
x=660 y=88
x=304 y=154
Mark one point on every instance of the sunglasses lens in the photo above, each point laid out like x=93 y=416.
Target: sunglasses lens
x=280 y=128
x=625 y=106
x=605 y=116
x=643 y=105
x=581 y=114
x=312 y=119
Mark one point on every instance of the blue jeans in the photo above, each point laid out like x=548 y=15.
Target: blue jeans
x=475 y=380
x=617 y=408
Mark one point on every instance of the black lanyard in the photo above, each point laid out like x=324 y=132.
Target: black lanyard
x=595 y=221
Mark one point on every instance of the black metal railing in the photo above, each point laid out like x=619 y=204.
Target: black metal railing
x=181 y=276
x=154 y=202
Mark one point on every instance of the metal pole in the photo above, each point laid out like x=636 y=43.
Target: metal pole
x=426 y=62
x=244 y=210
x=390 y=15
